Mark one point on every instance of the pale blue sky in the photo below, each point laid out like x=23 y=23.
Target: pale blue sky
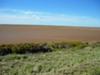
x=51 y=12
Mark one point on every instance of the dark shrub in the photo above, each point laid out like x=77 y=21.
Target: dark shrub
x=45 y=47
x=40 y=48
x=21 y=48
x=4 y=50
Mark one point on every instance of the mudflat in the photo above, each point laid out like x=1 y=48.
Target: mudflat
x=33 y=33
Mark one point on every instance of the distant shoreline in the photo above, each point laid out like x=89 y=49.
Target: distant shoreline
x=48 y=25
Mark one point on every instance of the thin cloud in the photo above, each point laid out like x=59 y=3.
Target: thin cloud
x=10 y=14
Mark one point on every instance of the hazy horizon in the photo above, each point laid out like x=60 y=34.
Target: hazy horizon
x=49 y=25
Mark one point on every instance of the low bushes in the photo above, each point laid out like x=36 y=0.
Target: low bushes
x=40 y=47
x=24 y=48
x=5 y=49
x=67 y=45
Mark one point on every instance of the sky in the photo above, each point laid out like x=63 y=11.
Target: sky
x=51 y=12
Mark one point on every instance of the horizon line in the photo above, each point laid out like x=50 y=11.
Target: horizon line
x=48 y=25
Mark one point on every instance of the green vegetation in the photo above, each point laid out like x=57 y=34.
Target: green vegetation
x=24 y=48
x=57 y=58
x=38 y=47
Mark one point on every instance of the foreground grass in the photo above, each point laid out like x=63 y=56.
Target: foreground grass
x=73 y=61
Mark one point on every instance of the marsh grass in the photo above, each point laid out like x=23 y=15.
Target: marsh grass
x=24 y=48
x=70 y=60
